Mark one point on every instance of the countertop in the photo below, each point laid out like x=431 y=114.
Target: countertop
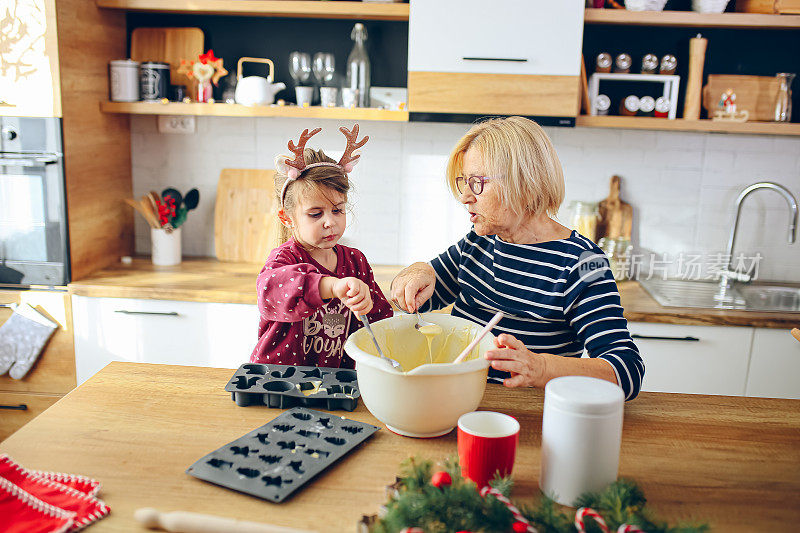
x=732 y=462
x=209 y=280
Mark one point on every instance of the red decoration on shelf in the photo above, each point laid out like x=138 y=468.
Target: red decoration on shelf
x=519 y=527
x=441 y=479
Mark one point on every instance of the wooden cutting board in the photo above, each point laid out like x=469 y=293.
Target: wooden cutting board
x=615 y=217
x=246 y=225
x=169 y=45
x=756 y=94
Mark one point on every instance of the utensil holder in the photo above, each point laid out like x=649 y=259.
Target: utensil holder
x=166 y=246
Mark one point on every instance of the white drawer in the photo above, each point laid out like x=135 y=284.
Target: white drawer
x=161 y=331
x=499 y=37
x=715 y=363
x=774 y=365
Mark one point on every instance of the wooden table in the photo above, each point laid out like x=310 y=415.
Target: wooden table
x=732 y=462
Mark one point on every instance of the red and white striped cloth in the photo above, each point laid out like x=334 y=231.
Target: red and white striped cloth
x=46 y=502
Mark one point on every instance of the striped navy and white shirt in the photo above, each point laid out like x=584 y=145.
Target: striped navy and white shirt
x=558 y=297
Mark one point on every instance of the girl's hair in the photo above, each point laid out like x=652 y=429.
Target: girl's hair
x=518 y=152
x=310 y=179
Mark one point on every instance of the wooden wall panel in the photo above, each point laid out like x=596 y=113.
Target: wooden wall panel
x=97 y=145
x=501 y=94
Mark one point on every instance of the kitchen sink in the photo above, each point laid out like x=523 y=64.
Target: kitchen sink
x=707 y=295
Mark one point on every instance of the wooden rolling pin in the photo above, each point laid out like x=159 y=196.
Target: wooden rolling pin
x=694 y=83
x=796 y=333
x=185 y=522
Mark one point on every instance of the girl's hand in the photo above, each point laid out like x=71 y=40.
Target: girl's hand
x=413 y=286
x=527 y=369
x=353 y=293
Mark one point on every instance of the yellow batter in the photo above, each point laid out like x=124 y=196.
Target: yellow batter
x=407 y=347
x=430 y=331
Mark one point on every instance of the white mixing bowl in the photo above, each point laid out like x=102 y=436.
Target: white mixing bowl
x=427 y=400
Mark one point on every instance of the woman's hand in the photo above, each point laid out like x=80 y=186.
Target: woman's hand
x=527 y=369
x=413 y=286
x=353 y=293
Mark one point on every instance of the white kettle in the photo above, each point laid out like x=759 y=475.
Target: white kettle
x=255 y=90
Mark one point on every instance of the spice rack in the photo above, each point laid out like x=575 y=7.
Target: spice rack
x=671 y=83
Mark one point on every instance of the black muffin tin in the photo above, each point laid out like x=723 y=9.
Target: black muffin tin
x=285 y=386
x=275 y=460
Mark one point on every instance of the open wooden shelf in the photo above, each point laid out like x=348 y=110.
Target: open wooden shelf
x=238 y=110
x=690 y=19
x=266 y=8
x=648 y=123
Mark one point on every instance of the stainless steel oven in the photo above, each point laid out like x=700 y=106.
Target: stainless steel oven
x=33 y=212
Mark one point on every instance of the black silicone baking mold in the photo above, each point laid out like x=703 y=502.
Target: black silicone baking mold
x=275 y=460
x=285 y=386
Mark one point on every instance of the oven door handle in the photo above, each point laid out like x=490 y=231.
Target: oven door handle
x=28 y=161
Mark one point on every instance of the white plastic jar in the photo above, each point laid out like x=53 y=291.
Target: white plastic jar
x=581 y=435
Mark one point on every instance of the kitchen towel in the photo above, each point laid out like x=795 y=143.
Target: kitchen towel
x=33 y=501
x=22 y=338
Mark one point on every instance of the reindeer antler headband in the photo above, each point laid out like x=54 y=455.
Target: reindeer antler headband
x=294 y=167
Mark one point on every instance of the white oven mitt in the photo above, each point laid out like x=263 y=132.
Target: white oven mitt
x=22 y=338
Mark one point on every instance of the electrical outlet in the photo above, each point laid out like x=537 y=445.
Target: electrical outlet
x=176 y=124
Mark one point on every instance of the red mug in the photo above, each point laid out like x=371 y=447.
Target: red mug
x=487 y=443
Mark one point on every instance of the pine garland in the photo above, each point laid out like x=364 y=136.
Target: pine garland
x=458 y=506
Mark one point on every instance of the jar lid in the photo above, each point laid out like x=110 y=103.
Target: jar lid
x=623 y=61
x=603 y=60
x=155 y=64
x=647 y=104
x=662 y=105
x=583 y=395
x=602 y=102
x=124 y=63
x=632 y=103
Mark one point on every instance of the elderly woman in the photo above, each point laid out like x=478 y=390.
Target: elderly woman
x=553 y=285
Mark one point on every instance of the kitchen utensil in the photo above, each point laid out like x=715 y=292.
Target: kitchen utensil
x=454 y=389
x=174 y=194
x=299 y=67
x=754 y=94
x=246 y=225
x=391 y=361
x=285 y=386
x=151 y=211
x=276 y=459
x=421 y=323
x=168 y=45
x=138 y=207
x=191 y=199
x=255 y=90
x=185 y=522
x=487 y=443
x=486 y=329
x=615 y=219
x=796 y=333
x=694 y=84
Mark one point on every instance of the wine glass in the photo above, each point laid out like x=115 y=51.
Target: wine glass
x=299 y=67
x=324 y=67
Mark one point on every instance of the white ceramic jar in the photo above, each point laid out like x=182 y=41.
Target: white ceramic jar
x=123 y=80
x=581 y=435
x=166 y=246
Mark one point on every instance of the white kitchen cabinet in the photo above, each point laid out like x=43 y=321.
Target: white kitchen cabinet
x=499 y=37
x=715 y=363
x=503 y=57
x=161 y=331
x=774 y=365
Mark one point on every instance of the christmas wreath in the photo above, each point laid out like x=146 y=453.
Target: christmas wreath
x=426 y=501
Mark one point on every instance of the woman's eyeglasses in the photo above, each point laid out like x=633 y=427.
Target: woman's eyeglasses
x=475 y=183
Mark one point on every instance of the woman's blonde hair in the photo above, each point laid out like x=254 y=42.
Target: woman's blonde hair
x=315 y=178
x=517 y=152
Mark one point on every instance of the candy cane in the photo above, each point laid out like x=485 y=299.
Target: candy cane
x=627 y=528
x=588 y=511
x=514 y=511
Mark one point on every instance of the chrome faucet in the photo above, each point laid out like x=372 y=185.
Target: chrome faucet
x=729 y=275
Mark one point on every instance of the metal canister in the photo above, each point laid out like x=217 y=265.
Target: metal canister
x=668 y=64
x=622 y=64
x=646 y=106
x=123 y=80
x=629 y=106
x=601 y=104
x=154 y=81
x=662 y=107
x=649 y=64
x=603 y=62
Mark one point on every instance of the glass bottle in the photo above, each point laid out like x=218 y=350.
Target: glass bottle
x=358 y=69
x=783 y=103
x=583 y=218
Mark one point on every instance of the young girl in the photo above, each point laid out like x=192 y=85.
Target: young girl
x=312 y=289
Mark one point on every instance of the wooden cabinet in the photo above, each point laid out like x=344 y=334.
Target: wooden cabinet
x=161 y=331
x=774 y=365
x=53 y=374
x=693 y=359
x=476 y=57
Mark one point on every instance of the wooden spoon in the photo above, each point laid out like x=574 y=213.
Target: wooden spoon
x=486 y=329
x=138 y=207
x=186 y=522
x=147 y=206
x=796 y=333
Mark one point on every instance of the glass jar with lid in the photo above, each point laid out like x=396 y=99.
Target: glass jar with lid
x=583 y=218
